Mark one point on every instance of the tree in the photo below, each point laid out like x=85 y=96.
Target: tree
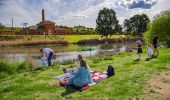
x=119 y=29
x=106 y=22
x=25 y=25
x=161 y=27
x=127 y=26
x=137 y=24
x=2 y=27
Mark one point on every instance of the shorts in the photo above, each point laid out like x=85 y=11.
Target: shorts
x=139 y=50
x=155 y=46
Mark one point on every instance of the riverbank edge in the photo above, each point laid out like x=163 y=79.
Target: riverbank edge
x=65 y=42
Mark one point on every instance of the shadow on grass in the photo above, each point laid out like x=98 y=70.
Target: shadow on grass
x=154 y=56
x=147 y=59
x=68 y=91
x=136 y=60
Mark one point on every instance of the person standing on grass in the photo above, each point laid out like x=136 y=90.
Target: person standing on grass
x=139 y=49
x=49 y=53
x=149 y=50
x=155 y=43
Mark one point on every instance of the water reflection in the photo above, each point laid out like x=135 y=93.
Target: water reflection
x=62 y=53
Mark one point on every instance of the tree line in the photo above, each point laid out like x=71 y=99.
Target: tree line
x=107 y=24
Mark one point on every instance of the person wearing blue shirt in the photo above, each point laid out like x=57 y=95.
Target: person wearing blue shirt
x=82 y=76
x=49 y=52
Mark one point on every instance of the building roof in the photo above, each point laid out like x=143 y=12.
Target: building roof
x=46 y=22
x=33 y=27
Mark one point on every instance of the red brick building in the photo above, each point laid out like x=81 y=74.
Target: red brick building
x=45 y=27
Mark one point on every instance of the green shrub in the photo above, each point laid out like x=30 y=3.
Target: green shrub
x=24 y=66
x=161 y=27
x=67 y=62
x=96 y=59
x=7 y=67
x=108 y=58
x=3 y=75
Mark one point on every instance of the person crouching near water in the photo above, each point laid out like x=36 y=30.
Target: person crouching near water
x=82 y=76
x=149 y=50
x=49 y=53
x=139 y=48
x=43 y=60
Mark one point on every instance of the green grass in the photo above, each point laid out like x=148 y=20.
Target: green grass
x=9 y=69
x=128 y=84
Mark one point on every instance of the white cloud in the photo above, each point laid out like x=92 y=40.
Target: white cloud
x=71 y=12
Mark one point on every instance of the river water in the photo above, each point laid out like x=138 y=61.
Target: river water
x=62 y=53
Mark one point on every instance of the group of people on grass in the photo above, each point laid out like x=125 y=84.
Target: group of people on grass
x=81 y=74
x=151 y=53
x=82 y=71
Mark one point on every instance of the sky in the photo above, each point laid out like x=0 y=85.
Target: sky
x=75 y=12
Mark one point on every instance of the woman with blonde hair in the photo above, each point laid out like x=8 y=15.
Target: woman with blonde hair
x=82 y=76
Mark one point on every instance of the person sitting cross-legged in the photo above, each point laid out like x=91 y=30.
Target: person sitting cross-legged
x=82 y=76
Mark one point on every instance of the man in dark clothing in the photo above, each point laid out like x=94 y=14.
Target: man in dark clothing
x=155 y=43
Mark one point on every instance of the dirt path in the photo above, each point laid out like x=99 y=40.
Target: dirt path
x=158 y=87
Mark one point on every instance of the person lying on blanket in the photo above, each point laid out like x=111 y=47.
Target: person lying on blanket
x=82 y=76
x=74 y=70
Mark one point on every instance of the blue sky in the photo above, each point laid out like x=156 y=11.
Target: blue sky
x=74 y=12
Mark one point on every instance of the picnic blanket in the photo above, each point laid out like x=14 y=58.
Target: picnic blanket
x=96 y=76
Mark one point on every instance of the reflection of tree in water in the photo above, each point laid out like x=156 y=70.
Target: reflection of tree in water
x=111 y=46
x=106 y=46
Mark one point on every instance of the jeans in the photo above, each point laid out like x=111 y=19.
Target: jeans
x=49 y=58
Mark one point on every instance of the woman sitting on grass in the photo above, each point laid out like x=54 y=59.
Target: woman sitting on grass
x=82 y=76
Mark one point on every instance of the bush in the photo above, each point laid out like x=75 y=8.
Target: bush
x=7 y=68
x=3 y=75
x=96 y=59
x=160 y=26
x=108 y=58
x=24 y=66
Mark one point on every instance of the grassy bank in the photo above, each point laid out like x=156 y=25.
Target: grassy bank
x=128 y=83
x=48 y=39
x=7 y=68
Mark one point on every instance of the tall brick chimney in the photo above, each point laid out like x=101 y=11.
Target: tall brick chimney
x=43 y=15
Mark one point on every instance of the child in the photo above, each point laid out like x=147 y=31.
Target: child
x=150 y=52
x=43 y=60
x=139 y=50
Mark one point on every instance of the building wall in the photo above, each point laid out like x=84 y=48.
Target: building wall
x=46 y=32
x=49 y=29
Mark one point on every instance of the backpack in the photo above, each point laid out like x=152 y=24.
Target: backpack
x=110 y=71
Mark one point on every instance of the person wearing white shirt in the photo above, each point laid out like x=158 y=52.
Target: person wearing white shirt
x=43 y=60
x=150 y=52
x=49 y=52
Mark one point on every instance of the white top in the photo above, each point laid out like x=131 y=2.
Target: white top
x=138 y=41
x=78 y=65
x=47 y=51
x=43 y=61
x=150 y=51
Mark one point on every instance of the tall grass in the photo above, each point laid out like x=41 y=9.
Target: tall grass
x=30 y=43
x=7 y=68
